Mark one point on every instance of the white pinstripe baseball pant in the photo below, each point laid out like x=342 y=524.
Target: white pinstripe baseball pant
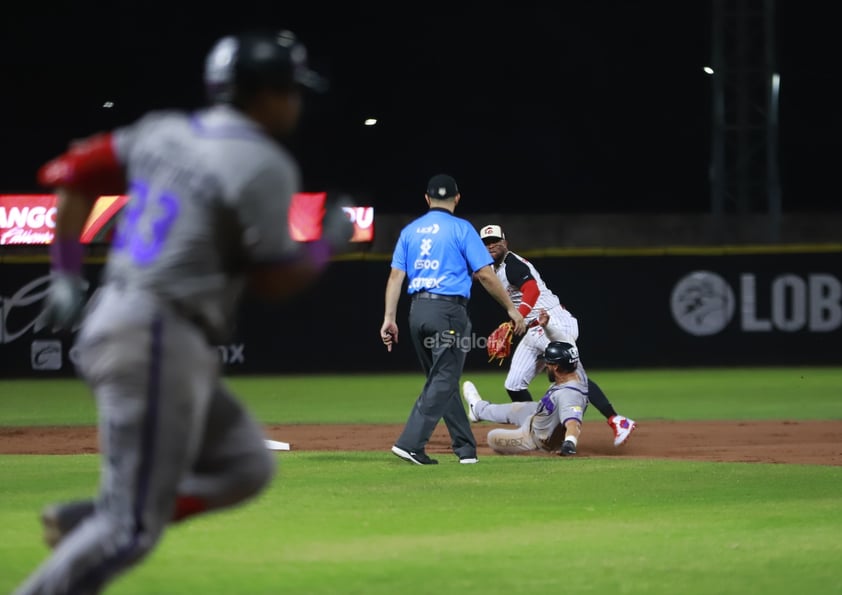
x=525 y=366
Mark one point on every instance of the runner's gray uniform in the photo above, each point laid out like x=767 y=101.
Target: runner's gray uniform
x=540 y=423
x=209 y=195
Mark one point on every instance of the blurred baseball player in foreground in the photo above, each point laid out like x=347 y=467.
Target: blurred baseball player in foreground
x=209 y=197
x=552 y=424
x=547 y=320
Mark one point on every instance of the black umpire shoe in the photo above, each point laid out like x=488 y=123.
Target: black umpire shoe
x=568 y=449
x=418 y=458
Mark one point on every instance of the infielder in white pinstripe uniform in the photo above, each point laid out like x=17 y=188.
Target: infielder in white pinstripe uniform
x=547 y=320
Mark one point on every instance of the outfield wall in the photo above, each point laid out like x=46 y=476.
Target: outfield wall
x=636 y=308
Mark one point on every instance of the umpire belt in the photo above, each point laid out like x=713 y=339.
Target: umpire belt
x=426 y=295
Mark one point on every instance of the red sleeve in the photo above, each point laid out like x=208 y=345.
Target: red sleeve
x=90 y=166
x=530 y=295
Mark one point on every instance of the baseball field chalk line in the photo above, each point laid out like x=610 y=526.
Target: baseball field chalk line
x=275 y=445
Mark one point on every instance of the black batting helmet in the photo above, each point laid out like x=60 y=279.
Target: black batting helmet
x=563 y=354
x=239 y=65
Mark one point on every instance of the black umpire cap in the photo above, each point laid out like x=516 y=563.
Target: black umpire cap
x=441 y=187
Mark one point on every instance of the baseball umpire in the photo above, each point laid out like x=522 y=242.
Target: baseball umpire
x=547 y=320
x=437 y=253
x=209 y=199
x=552 y=424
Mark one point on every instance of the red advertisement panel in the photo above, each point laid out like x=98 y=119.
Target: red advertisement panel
x=307 y=212
x=27 y=219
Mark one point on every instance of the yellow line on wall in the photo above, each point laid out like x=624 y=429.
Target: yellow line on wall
x=724 y=250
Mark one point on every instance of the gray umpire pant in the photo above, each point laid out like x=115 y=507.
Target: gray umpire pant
x=440 y=332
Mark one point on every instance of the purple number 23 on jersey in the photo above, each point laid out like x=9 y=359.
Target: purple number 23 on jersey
x=145 y=247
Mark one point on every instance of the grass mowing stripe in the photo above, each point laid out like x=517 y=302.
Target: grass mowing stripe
x=703 y=394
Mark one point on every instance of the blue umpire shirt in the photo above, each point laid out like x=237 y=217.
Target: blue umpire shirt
x=439 y=251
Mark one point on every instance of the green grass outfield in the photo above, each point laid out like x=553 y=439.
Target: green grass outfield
x=366 y=523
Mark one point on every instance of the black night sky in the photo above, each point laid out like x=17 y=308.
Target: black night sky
x=593 y=107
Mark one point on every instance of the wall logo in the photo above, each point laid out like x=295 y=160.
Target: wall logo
x=46 y=354
x=23 y=311
x=702 y=303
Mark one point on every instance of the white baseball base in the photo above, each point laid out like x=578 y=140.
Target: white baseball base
x=275 y=445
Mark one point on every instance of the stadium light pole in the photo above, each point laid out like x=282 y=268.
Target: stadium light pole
x=773 y=178
x=716 y=173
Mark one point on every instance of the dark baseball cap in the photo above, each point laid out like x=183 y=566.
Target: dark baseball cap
x=442 y=186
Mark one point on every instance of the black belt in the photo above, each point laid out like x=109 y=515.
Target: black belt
x=426 y=295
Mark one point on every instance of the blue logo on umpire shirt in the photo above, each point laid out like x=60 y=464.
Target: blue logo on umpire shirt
x=46 y=354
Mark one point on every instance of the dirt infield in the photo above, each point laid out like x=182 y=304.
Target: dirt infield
x=799 y=442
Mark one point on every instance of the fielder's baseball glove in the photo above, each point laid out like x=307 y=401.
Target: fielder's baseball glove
x=500 y=342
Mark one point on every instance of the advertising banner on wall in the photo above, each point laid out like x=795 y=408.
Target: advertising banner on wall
x=696 y=310
x=652 y=311
x=27 y=219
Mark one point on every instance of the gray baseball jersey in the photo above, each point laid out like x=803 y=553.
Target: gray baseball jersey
x=210 y=193
x=540 y=423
